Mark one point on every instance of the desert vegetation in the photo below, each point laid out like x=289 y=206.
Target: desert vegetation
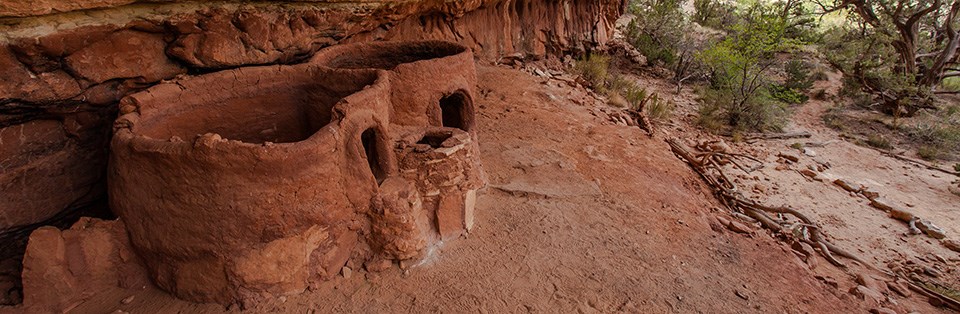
x=753 y=62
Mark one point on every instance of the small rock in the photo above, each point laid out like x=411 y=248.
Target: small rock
x=808 y=173
x=870 y=193
x=789 y=156
x=803 y=248
x=868 y=281
x=781 y=167
x=759 y=188
x=865 y=293
x=715 y=226
x=951 y=244
x=901 y=215
x=809 y=152
x=378 y=265
x=899 y=288
x=930 y=229
x=738 y=227
x=723 y=221
x=932 y=272
x=847 y=185
x=829 y=281
x=347 y=272
x=741 y=295
x=882 y=203
x=882 y=310
x=127 y=300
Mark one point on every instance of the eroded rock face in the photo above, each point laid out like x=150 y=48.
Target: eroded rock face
x=63 y=268
x=65 y=73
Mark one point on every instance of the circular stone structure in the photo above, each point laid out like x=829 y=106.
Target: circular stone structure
x=258 y=182
x=432 y=82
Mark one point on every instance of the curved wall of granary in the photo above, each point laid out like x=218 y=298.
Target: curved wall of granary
x=259 y=181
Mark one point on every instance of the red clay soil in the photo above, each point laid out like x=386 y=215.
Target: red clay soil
x=579 y=215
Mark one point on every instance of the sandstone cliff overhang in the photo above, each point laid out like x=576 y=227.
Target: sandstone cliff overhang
x=68 y=63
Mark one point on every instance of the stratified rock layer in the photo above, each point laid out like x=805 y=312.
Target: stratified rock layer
x=64 y=73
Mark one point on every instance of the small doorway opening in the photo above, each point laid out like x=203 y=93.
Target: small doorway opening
x=369 y=140
x=453 y=111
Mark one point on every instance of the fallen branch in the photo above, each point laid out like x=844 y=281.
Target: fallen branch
x=948 y=301
x=777 y=136
x=918 y=162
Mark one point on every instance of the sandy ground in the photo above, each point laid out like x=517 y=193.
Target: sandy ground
x=584 y=215
x=579 y=215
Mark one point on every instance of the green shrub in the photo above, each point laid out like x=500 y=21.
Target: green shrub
x=929 y=152
x=594 y=69
x=655 y=51
x=659 y=109
x=617 y=84
x=661 y=32
x=944 y=135
x=739 y=94
x=798 y=76
x=635 y=96
x=951 y=84
x=716 y=14
x=787 y=95
x=720 y=108
x=878 y=141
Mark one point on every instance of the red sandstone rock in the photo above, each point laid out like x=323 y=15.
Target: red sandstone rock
x=39 y=7
x=63 y=268
x=124 y=54
x=38 y=157
x=867 y=294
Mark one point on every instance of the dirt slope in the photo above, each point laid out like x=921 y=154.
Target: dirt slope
x=579 y=215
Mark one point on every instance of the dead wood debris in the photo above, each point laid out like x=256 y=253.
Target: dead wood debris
x=920 y=163
x=709 y=165
x=776 y=136
x=643 y=121
x=752 y=137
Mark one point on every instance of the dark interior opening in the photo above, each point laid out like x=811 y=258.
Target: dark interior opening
x=435 y=140
x=389 y=55
x=283 y=107
x=369 y=139
x=453 y=111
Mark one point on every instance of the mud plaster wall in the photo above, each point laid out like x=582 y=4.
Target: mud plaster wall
x=255 y=182
x=65 y=71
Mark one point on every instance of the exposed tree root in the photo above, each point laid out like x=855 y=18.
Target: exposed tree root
x=920 y=163
x=777 y=136
x=709 y=166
